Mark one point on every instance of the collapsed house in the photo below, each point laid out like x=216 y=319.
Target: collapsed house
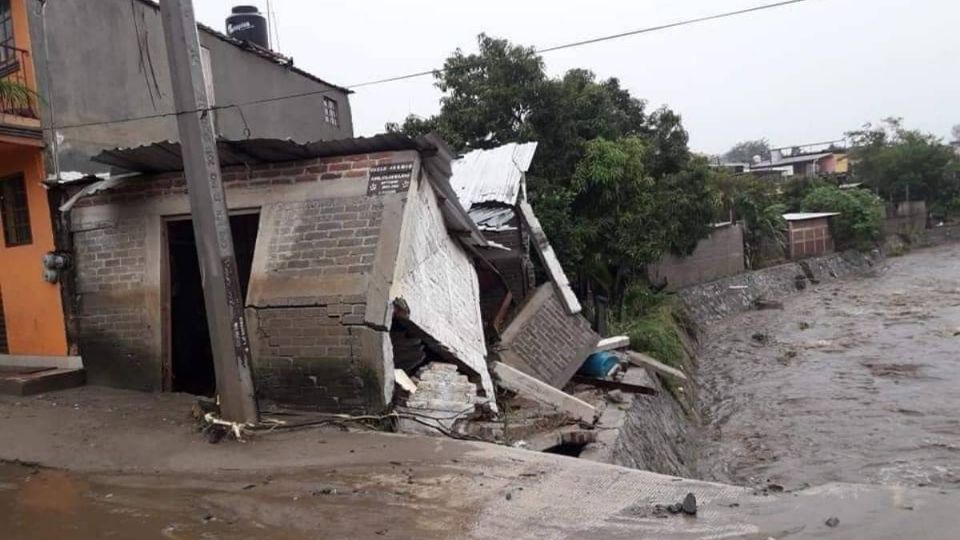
x=337 y=243
x=537 y=328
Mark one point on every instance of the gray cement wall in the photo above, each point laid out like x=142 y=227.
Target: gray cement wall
x=719 y=255
x=322 y=259
x=106 y=60
x=714 y=301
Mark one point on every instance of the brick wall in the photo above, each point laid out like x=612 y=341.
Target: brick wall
x=544 y=341
x=308 y=357
x=333 y=236
x=114 y=338
x=717 y=256
x=310 y=345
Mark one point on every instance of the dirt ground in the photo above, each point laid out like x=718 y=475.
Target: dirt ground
x=853 y=381
x=105 y=463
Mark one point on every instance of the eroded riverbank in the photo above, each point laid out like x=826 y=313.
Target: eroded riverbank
x=856 y=380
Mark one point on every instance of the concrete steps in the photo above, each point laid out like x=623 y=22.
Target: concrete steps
x=31 y=375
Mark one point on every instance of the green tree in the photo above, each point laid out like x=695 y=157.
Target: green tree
x=757 y=203
x=904 y=164
x=861 y=214
x=744 y=152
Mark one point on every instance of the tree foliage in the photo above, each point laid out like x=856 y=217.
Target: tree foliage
x=614 y=186
x=758 y=203
x=904 y=164
x=861 y=214
x=744 y=152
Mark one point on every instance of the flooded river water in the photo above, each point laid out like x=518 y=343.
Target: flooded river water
x=855 y=380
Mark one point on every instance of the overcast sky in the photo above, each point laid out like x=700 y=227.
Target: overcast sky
x=798 y=74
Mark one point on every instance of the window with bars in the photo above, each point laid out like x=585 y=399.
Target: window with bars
x=14 y=211
x=330 y=113
x=7 y=46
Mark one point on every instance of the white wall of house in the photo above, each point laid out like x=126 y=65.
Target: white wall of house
x=437 y=280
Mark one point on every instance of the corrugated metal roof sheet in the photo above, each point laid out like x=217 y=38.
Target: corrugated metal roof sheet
x=495 y=175
x=165 y=156
x=791 y=160
x=493 y=218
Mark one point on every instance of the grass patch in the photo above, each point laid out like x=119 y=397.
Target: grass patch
x=656 y=333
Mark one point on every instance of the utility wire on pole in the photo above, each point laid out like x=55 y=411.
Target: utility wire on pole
x=211 y=221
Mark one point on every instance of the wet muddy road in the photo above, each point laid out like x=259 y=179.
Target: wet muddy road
x=855 y=380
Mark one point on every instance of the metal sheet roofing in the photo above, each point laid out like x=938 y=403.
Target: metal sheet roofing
x=791 y=160
x=801 y=216
x=495 y=218
x=495 y=175
x=165 y=156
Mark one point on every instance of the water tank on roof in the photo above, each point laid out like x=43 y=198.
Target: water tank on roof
x=246 y=23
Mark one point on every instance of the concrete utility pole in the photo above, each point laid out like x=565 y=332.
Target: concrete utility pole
x=211 y=222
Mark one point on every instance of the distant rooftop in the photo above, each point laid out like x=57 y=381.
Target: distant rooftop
x=803 y=216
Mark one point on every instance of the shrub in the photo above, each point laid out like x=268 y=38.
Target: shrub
x=861 y=214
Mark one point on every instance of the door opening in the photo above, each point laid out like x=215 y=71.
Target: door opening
x=191 y=356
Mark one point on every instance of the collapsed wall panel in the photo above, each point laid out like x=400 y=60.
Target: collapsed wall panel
x=546 y=342
x=437 y=285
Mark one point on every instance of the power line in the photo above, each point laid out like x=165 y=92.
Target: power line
x=419 y=74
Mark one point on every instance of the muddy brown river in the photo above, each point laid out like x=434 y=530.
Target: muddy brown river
x=854 y=381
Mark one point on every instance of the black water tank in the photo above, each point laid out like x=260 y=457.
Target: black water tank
x=247 y=24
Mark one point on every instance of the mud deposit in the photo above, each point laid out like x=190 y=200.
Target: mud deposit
x=856 y=380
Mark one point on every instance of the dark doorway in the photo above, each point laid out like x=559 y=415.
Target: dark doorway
x=191 y=357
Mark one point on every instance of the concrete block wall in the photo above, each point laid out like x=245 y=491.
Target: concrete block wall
x=544 y=341
x=321 y=255
x=717 y=256
x=110 y=259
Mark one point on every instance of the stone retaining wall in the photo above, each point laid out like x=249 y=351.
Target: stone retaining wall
x=719 y=299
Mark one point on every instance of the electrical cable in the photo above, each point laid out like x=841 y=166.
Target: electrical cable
x=419 y=74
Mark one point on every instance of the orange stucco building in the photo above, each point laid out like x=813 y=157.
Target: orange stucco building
x=31 y=310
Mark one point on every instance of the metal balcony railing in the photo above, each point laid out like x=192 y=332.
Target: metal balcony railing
x=13 y=66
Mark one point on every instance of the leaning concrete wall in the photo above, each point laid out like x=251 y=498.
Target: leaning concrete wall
x=719 y=255
x=437 y=281
x=325 y=254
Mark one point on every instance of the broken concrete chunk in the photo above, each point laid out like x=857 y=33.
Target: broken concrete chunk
x=690 y=504
x=531 y=388
x=404 y=381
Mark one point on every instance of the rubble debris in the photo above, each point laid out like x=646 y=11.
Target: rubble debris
x=444 y=399
x=516 y=381
x=760 y=338
x=645 y=361
x=690 y=504
x=832 y=522
x=613 y=343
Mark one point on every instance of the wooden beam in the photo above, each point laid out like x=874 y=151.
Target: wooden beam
x=635 y=381
x=612 y=344
x=549 y=259
x=541 y=392
x=645 y=361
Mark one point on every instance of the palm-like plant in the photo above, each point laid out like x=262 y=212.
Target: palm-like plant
x=14 y=95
